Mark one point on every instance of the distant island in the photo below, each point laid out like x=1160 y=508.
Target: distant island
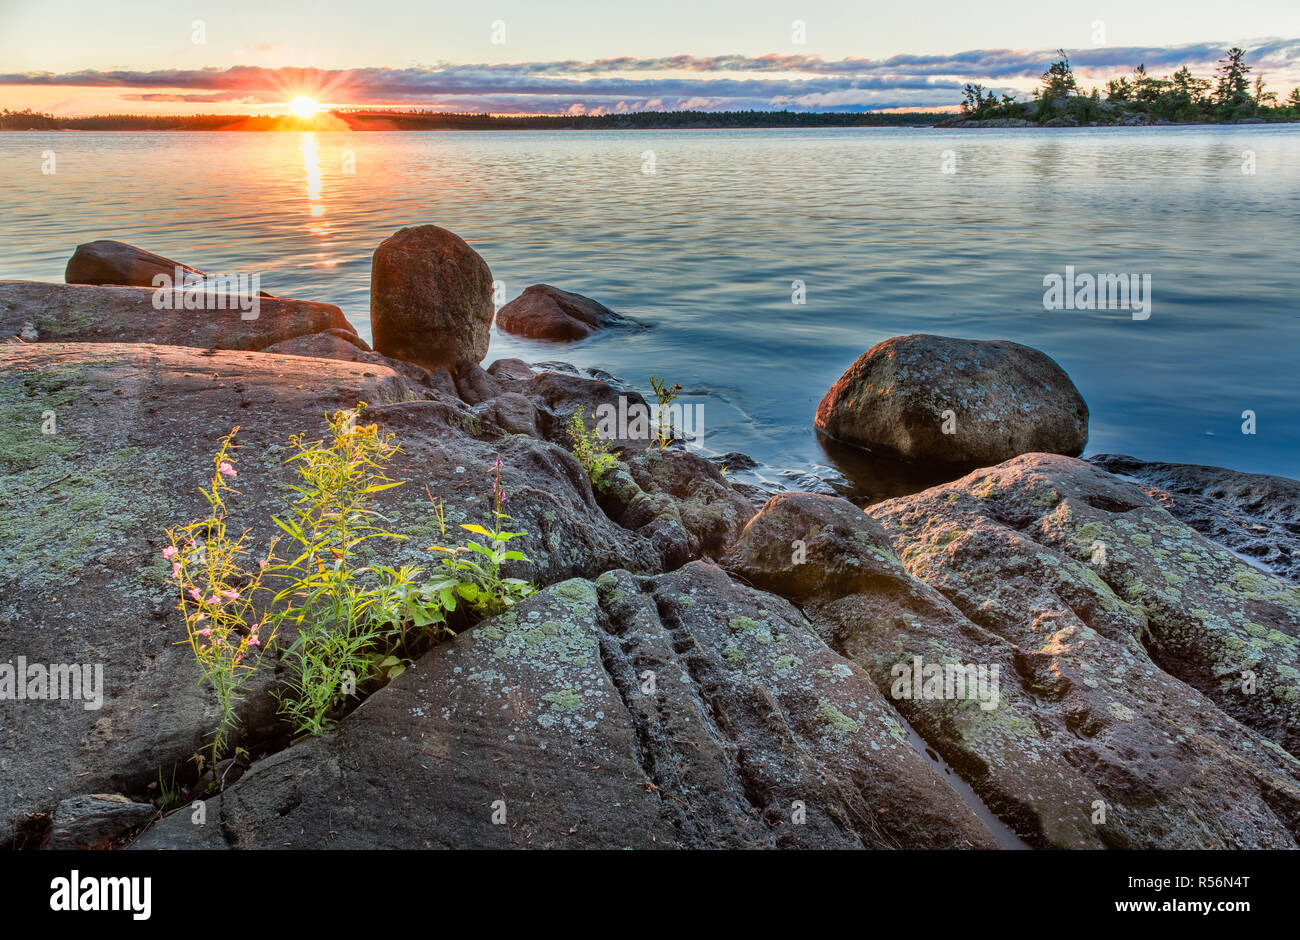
x=1230 y=98
x=380 y=120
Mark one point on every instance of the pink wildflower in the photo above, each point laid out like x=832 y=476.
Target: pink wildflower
x=176 y=570
x=169 y=551
x=194 y=593
x=231 y=595
x=226 y=469
x=206 y=631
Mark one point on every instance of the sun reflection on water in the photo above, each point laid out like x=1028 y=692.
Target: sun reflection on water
x=311 y=163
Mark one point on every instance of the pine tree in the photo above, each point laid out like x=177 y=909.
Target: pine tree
x=1058 y=80
x=1232 y=94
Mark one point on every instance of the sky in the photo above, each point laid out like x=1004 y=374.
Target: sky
x=74 y=57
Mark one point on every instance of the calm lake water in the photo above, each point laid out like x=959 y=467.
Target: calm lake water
x=706 y=248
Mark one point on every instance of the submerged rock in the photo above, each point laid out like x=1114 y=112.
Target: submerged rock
x=955 y=401
x=430 y=299
x=546 y=312
x=63 y=313
x=107 y=262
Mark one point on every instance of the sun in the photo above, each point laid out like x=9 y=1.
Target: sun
x=304 y=107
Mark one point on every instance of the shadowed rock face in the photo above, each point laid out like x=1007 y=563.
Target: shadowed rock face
x=956 y=402
x=1254 y=514
x=430 y=299
x=115 y=263
x=64 y=313
x=546 y=312
x=548 y=710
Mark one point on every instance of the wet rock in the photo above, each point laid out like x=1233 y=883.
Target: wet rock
x=955 y=401
x=430 y=299
x=1253 y=514
x=546 y=312
x=107 y=262
x=63 y=313
x=96 y=821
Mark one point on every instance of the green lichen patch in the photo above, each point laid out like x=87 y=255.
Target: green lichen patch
x=829 y=715
x=565 y=701
x=760 y=632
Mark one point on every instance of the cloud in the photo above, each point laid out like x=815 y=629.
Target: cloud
x=729 y=82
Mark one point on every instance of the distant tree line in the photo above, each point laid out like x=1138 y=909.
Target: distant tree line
x=1229 y=96
x=434 y=120
x=29 y=120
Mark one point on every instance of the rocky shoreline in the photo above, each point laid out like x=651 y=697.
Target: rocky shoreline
x=707 y=663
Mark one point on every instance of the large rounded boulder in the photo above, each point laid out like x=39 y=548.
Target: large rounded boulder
x=953 y=401
x=430 y=299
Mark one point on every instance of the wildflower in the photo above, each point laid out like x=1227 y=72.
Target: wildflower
x=231 y=595
x=194 y=593
x=253 y=640
x=214 y=601
x=206 y=631
x=169 y=551
x=226 y=469
x=176 y=570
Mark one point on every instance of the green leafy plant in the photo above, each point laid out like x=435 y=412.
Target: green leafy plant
x=357 y=625
x=665 y=394
x=589 y=447
x=474 y=568
x=217 y=588
x=343 y=611
x=170 y=793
